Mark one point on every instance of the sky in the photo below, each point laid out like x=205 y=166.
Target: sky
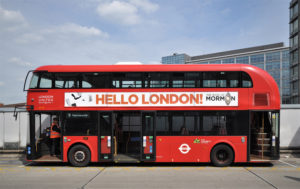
x=89 y=32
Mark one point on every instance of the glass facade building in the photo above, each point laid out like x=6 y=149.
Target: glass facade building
x=175 y=59
x=294 y=51
x=273 y=58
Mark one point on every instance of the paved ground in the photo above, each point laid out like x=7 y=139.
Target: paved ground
x=15 y=173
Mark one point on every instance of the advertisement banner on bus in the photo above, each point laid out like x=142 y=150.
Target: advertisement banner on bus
x=145 y=99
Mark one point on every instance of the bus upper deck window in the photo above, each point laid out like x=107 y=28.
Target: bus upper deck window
x=67 y=80
x=233 y=79
x=34 y=81
x=46 y=80
x=246 y=80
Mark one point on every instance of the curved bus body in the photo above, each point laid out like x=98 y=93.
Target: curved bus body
x=155 y=113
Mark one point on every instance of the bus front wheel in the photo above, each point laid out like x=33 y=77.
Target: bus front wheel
x=79 y=155
x=221 y=155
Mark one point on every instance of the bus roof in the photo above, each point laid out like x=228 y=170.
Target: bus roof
x=146 y=68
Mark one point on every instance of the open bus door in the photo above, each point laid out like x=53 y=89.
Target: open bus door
x=264 y=135
x=40 y=143
x=148 y=139
x=106 y=140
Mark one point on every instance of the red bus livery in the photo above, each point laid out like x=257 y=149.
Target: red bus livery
x=154 y=113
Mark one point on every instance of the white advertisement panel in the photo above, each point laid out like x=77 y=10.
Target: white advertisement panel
x=148 y=99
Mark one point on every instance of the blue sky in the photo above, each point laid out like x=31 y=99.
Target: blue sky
x=35 y=33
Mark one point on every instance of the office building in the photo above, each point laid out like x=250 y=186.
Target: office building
x=294 y=51
x=175 y=59
x=274 y=58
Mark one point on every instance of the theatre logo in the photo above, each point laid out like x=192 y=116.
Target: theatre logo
x=227 y=98
x=146 y=99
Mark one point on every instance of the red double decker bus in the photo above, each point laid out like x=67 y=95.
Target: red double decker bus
x=154 y=113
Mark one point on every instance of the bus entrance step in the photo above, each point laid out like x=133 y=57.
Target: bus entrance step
x=48 y=158
x=126 y=158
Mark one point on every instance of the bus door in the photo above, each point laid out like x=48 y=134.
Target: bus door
x=264 y=135
x=148 y=139
x=106 y=142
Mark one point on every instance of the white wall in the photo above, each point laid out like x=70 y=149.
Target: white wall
x=1 y=130
x=290 y=127
x=14 y=131
x=17 y=131
x=11 y=128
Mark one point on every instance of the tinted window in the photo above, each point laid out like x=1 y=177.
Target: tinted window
x=157 y=80
x=34 y=81
x=162 y=123
x=67 y=80
x=142 y=80
x=214 y=79
x=177 y=80
x=233 y=79
x=192 y=80
x=246 y=80
x=132 y=80
x=185 y=80
x=214 y=125
x=95 y=80
x=178 y=125
x=46 y=80
x=105 y=124
x=209 y=79
x=127 y=80
x=148 y=124
x=184 y=123
x=80 y=123
x=225 y=123
x=237 y=122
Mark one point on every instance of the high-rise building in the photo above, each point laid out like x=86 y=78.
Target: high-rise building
x=175 y=59
x=294 y=51
x=274 y=58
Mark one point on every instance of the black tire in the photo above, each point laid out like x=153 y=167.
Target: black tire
x=221 y=155
x=79 y=155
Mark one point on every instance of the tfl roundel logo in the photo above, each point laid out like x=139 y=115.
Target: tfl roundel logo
x=184 y=148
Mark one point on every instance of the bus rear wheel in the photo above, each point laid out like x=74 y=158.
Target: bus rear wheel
x=79 y=155
x=221 y=155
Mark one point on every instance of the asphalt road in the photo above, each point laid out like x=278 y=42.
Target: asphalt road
x=16 y=173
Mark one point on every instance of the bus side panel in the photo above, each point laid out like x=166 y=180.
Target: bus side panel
x=90 y=141
x=197 y=148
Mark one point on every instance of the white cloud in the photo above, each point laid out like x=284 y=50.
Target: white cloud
x=11 y=20
x=75 y=29
x=125 y=13
x=29 y=37
x=72 y=28
x=117 y=11
x=67 y=30
x=145 y=5
x=20 y=62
